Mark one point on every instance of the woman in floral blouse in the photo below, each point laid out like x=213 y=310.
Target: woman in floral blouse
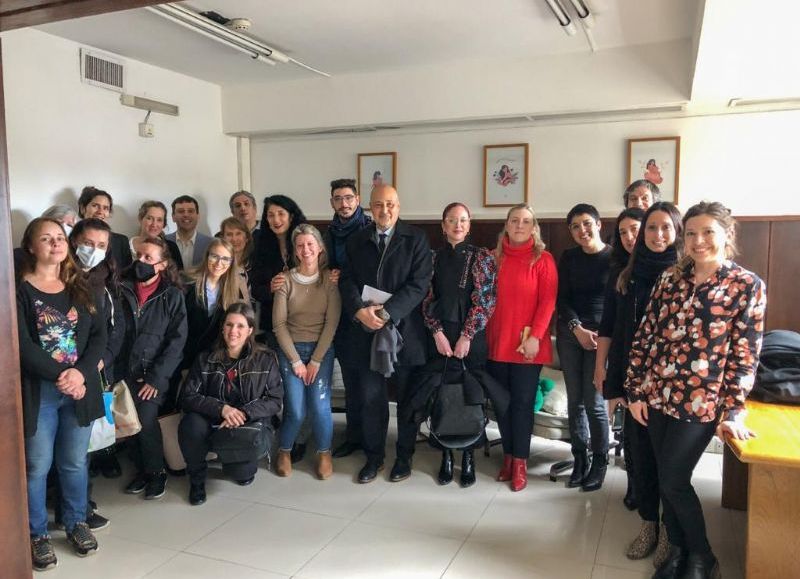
x=692 y=364
x=458 y=305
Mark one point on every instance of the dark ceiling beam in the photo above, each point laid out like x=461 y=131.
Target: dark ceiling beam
x=22 y=13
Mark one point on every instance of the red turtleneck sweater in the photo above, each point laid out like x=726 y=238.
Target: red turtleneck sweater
x=526 y=296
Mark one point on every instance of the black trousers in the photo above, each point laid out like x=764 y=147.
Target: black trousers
x=645 y=470
x=147 y=447
x=372 y=397
x=516 y=427
x=350 y=377
x=678 y=447
x=194 y=437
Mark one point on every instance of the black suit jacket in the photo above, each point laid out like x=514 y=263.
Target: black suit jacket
x=405 y=271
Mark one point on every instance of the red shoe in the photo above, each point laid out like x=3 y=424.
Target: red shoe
x=519 y=474
x=505 y=473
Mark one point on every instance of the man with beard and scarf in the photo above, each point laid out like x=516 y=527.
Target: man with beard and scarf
x=658 y=246
x=155 y=334
x=348 y=218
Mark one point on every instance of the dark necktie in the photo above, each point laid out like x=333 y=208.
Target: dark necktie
x=382 y=243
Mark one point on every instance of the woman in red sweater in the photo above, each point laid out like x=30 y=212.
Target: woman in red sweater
x=518 y=333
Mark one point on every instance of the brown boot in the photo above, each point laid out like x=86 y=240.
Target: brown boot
x=283 y=466
x=324 y=465
x=645 y=542
x=663 y=547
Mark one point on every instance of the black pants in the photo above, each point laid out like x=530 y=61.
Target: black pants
x=373 y=400
x=678 y=447
x=147 y=447
x=516 y=427
x=350 y=377
x=645 y=470
x=194 y=437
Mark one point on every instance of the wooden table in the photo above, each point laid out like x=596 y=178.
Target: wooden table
x=773 y=493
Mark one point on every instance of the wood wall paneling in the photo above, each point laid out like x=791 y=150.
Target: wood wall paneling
x=783 y=281
x=14 y=548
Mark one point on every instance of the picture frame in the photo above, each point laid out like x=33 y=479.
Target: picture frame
x=505 y=175
x=656 y=159
x=376 y=168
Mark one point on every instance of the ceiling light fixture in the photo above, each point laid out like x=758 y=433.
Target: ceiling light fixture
x=562 y=17
x=204 y=26
x=587 y=19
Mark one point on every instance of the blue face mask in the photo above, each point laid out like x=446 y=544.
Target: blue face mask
x=90 y=256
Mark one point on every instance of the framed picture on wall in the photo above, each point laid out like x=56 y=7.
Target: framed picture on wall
x=376 y=169
x=657 y=160
x=505 y=175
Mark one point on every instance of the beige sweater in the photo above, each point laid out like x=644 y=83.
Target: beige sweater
x=306 y=312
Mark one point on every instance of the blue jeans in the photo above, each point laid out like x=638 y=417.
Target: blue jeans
x=314 y=399
x=58 y=436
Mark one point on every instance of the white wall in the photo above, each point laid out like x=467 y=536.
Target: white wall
x=744 y=160
x=64 y=134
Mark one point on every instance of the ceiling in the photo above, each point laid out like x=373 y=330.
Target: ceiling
x=353 y=36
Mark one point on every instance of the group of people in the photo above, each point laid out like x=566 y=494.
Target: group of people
x=241 y=330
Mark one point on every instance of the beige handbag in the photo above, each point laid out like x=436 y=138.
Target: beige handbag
x=126 y=419
x=169 y=434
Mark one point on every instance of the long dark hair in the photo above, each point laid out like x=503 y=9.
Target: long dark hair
x=675 y=215
x=620 y=255
x=220 y=349
x=268 y=251
x=69 y=274
x=105 y=274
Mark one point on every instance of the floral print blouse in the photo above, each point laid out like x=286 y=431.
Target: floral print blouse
x=695 y=353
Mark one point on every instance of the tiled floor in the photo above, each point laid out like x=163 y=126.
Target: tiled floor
x=305 y=528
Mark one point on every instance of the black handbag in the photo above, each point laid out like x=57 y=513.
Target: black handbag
x=246 y=443
x=452 y=422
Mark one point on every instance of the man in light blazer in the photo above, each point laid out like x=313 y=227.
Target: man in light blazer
x=191 y=243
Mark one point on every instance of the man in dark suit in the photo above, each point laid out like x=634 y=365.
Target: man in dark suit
x=191 y=243
x=394 y=257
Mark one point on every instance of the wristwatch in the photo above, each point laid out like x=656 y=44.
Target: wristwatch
x=572 y=324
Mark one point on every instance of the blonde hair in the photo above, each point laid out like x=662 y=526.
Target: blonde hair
x=308 y=229
x=234 y=223
x=538 y=244
x=230 y=289
x=719 y=213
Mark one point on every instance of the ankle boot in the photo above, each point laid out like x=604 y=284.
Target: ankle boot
x=505 y=473
x=629 y=500
x=663 y=547
x=324 y=465
x=446 y=470
x=701 y=566
x=467 y=469
x=283 y=466
x=597 y=474
x=674 y=566
x=519 y=474
x=645 y=542
x=580 y=469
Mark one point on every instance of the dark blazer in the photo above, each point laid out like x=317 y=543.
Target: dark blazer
x=405 y=272
x=201 y=243
x=38 y=365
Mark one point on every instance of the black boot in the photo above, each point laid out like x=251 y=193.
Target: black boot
x=674 y=566
x=446 y=470
x=579 y=469
x=597 y=474
x=467 y=469
x=630 y=501
x=701 y=566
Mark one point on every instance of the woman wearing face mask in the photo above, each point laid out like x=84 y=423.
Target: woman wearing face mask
x=61 y=342
x=582 y=279
x=518 y=332
x=458 y=306
x=305 y=316
x=155 y=334
x=214 y=288
x=692 y=365
x=152 y=221
x=273 y=255
x=626 y=229
x=657 y=248
x=236 y=382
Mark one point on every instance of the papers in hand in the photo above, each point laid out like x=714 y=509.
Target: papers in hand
x=374 y=296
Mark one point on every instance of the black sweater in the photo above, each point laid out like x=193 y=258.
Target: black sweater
x=582 y=280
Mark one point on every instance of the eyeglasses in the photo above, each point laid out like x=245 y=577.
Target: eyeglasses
x=454 y=221
x=214 y=258
x=339 y=198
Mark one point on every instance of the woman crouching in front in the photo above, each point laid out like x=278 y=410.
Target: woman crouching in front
x=234 y=383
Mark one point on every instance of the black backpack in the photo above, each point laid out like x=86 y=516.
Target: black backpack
x=778 y=374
